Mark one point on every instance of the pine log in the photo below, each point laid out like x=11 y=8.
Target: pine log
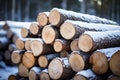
x=23 y=71
x=79 y=60
x=11 y=47
x=15 y=38
x=44 y=60
x=61 y=44
x=43 y=19
x=39 y=47
x=99 y=59
x=74 y=45
x=44 y=75
x=73 y=29
x=34 y=73
x=7 y=57
x=35 y=29
x=85 y=75
x=58 y=16
x=49 y=34
x=14 y=77
x=27 y=44
x=28 y=59
x=90 y=41
x=59 y=68
x=115 y=63
x=113 y=77
x=20 y=44
x=64 y=54
x=4 y=42
x=16 y=56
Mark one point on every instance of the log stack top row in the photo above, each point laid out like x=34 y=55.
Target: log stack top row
x=67 y=42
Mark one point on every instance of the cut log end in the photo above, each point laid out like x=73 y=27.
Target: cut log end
x=32 y=75
x=115 y=63
x=64 y=54
x=99 y=62
x=74 y=45
x=79 y=77
x=48 y=34
x=44 y=76
x=20 y=44
x=12 y=77
x=34 y=28
x=55 y=69
x=36 y=47
x=28 y=59
x=85 y=40
x=42 y=61
x=55 y=17
x=16 y=58
x=58 y=46
x=42 y=19
x=68 y=31
x=76 y=61
x=24 y=32
x=27 y=44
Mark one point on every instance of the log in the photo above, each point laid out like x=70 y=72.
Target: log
x=23 y=71
x=20 y=44
x=64 y=54
x=59 y=68
x=85 y=75
x=115 y=63
x=79 y=60
x=16 y=56
x=102 y=56
x=43 y=18
x=34 y=73
x=14 y=77
x=35 y=29
x=44 y=75
x=90 y=41
x=7 y=57
x=28 y=59
x=49 y=34
x=27 y=44
x=4 y=43
x=11 y=47
x=39 y=47
x=113 y=77
x=73 y=29
x=74 y=45
x=44 y=60
x=61 y=44
x=58 y=16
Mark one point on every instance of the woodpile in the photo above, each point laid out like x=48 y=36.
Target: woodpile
x=66 y=45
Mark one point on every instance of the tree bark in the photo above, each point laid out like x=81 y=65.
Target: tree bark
x=64 y=54
x=44 y=75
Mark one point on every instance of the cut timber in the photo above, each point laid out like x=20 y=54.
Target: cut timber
x=115 y=63
x=34 y=73
x=90 y=41
x=78 y=60
x=64 y=54
x=39 y=47
x=44 y=75
x=28 y=59
x=20 y=44
x=27 y=44
x=14 y=77
x=16 y=56
x=58 y=16
x=61 y=44
x=49 y=34
x=35 y=29
x=22 y=70
x=74 y=45
x=114 y=77
x=59 y=68
x=11 y=47
x=44 y=60
x=42 y=18
x=73 y=29
x=85 y=75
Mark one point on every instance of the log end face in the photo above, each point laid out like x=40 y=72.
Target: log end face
x=74 y=45
x=44 y=76
x=79 y=77
x=42 y=61
x=32 y=75
x=55 y=69
x=85 y=43
x=27 y=45
x=20 y=44
x=58 y=46
x=24 y=32
x=16 y=58
x=67 y=30
x=76 y=61
x=34 y=28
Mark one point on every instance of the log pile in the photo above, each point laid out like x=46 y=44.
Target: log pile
x=65 y=45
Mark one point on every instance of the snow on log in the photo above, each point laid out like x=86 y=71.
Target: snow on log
x=44 y=75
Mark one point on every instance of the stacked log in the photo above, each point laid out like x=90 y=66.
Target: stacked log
x=64 y=45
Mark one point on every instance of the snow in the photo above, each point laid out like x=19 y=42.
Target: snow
x=64 y=61
x=51 y=56
x=45 y=70
x=36 y=69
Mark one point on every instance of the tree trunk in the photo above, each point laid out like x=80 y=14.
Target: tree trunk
x=74 y=45
x=20 y=44
x=90 y=41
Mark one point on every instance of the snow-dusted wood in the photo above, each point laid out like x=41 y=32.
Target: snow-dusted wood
x=43 y=19
x=73 y=29
x=90 y=41
x=28 y=59
x=115 y=63
x=44 y=75
x=3 y=43
x=11 y=47
x=85 y=75
x=44 y=60
x=58 y=16
x=59 y=68
x=61 y=44
x=39 y=47
x=20 y=44
x=34 y=73
x=78 y=60
x=49 y=34
x=74 y=45
x=64 y=54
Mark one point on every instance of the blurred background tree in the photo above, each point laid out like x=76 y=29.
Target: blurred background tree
x=27 y=10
